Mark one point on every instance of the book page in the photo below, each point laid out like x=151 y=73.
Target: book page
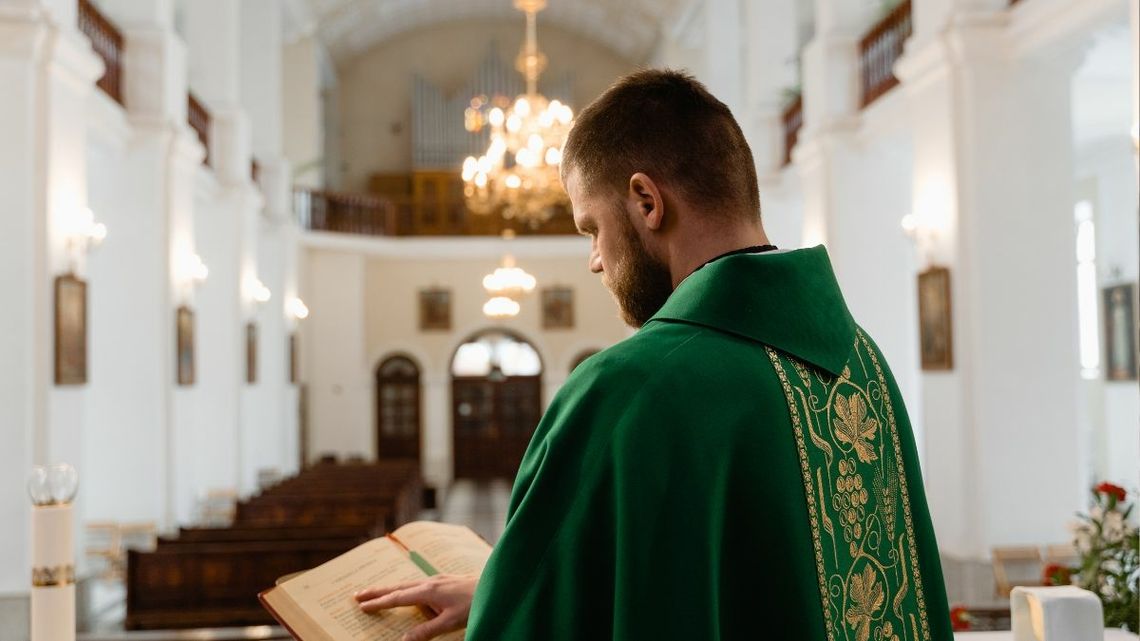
x=450 y=549
x=325 y=593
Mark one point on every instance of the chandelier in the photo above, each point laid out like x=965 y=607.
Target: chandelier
x=518 y=175
x=506 y=285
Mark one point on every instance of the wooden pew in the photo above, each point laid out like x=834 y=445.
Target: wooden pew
x=210 y=577
x=213 y=584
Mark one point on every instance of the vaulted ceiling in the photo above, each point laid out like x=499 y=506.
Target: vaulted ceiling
x=349 y=27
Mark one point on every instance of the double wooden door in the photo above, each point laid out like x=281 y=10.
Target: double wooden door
x=493 y=419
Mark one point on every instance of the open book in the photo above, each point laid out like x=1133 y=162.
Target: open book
x=318 y=605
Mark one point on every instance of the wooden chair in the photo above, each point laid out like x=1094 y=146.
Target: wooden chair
x=1062 y=554
x=142 y=535
x=1014 y=566
x=105 y=549
x=217 y=508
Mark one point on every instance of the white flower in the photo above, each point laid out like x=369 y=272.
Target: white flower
x=1082 y=536
x=1113 y=528
x=1096 y=513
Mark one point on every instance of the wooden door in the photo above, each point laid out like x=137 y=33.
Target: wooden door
x=398 y=409
x=494 y=418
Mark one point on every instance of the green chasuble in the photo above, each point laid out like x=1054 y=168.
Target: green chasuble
x=741 y=468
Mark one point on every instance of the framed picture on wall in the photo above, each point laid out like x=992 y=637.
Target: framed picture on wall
x=293 y=358
x=184 y=322
x=1120 y=333
x=435 y=309
x=70 y=330
x=558 y=308
x=251 y=352
x=936 y=336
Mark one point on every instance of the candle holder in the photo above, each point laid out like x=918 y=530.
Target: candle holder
x=52 y=489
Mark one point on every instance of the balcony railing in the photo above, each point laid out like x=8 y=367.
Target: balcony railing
x=793 y=119
x=318 y=210
x=107 y=41
x=880 y=49
x=199 y=118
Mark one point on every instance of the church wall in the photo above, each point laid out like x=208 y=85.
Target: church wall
x=1107 y=177
x=375 y=89
x=302 y=117
x=365 y=306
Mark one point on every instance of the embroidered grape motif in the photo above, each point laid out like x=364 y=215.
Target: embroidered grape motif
x=850 y=501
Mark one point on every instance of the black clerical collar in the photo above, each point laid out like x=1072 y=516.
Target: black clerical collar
x=755 y=249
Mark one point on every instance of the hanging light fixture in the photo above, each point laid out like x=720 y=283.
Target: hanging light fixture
x=506 y=286
x=518 y=175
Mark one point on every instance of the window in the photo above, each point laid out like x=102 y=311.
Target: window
x=1087 y=290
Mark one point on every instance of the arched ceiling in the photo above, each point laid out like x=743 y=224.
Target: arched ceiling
x=350 y=27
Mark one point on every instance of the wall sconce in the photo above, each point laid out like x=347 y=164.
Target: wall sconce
x=297 y=308
x=82 y=234
x=191 y=273
x=921 y=233
x=261 y=293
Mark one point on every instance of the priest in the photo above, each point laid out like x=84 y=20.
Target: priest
x=740 y=468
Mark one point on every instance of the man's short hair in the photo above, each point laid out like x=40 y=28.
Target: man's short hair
x=666 y=124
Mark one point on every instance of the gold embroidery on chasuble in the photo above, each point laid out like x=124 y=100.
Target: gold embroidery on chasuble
x=858 y=505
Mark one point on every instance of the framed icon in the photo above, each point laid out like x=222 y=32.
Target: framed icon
x=70 y=330
x=435 y=309
x=1120 y=333
x=558 y=308
x=936 y=335
x=251 y=353
x=184 y=321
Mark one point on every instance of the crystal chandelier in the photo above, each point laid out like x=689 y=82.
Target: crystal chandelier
x=518 y=176
x=506 y=285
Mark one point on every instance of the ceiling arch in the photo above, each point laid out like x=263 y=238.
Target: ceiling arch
x=347 y=28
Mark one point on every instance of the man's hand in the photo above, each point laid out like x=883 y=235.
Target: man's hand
x=448 y=596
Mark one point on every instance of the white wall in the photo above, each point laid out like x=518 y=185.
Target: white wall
x=363 y=294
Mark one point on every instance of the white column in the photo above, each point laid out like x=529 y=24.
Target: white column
x=229 y=218
x=1006 y=232
x=142 y=404
x=48 y=72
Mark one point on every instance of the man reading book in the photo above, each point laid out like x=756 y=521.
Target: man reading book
x=740 y=468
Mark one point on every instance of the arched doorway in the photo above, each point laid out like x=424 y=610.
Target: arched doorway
x=398 y=408
x=496 y=403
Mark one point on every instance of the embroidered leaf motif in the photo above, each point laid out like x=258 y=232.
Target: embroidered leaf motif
x=854 y=428
x=867 y=597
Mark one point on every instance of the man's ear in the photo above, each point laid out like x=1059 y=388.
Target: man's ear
x=647 y=200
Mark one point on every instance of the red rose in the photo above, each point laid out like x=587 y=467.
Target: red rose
x=960 y=618
x=1112 y=490
x=1057 y=574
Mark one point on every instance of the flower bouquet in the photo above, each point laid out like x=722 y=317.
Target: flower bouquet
x=1109 y=549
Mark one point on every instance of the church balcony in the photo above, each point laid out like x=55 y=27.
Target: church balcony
x=793 y=120
x=107 y=41
x=371 y=215
x=880 y=48
x=199 y=119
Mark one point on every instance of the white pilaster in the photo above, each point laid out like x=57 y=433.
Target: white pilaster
x=1006 y=232
x=725 y=53
x=48 y=71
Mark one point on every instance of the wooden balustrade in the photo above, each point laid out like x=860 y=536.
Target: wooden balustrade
x=107 y=41
x=793 y=119
x=199 y=118
x=880 y=49
x=377 y=216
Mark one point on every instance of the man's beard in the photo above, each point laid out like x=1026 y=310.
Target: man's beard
x=640 y=282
